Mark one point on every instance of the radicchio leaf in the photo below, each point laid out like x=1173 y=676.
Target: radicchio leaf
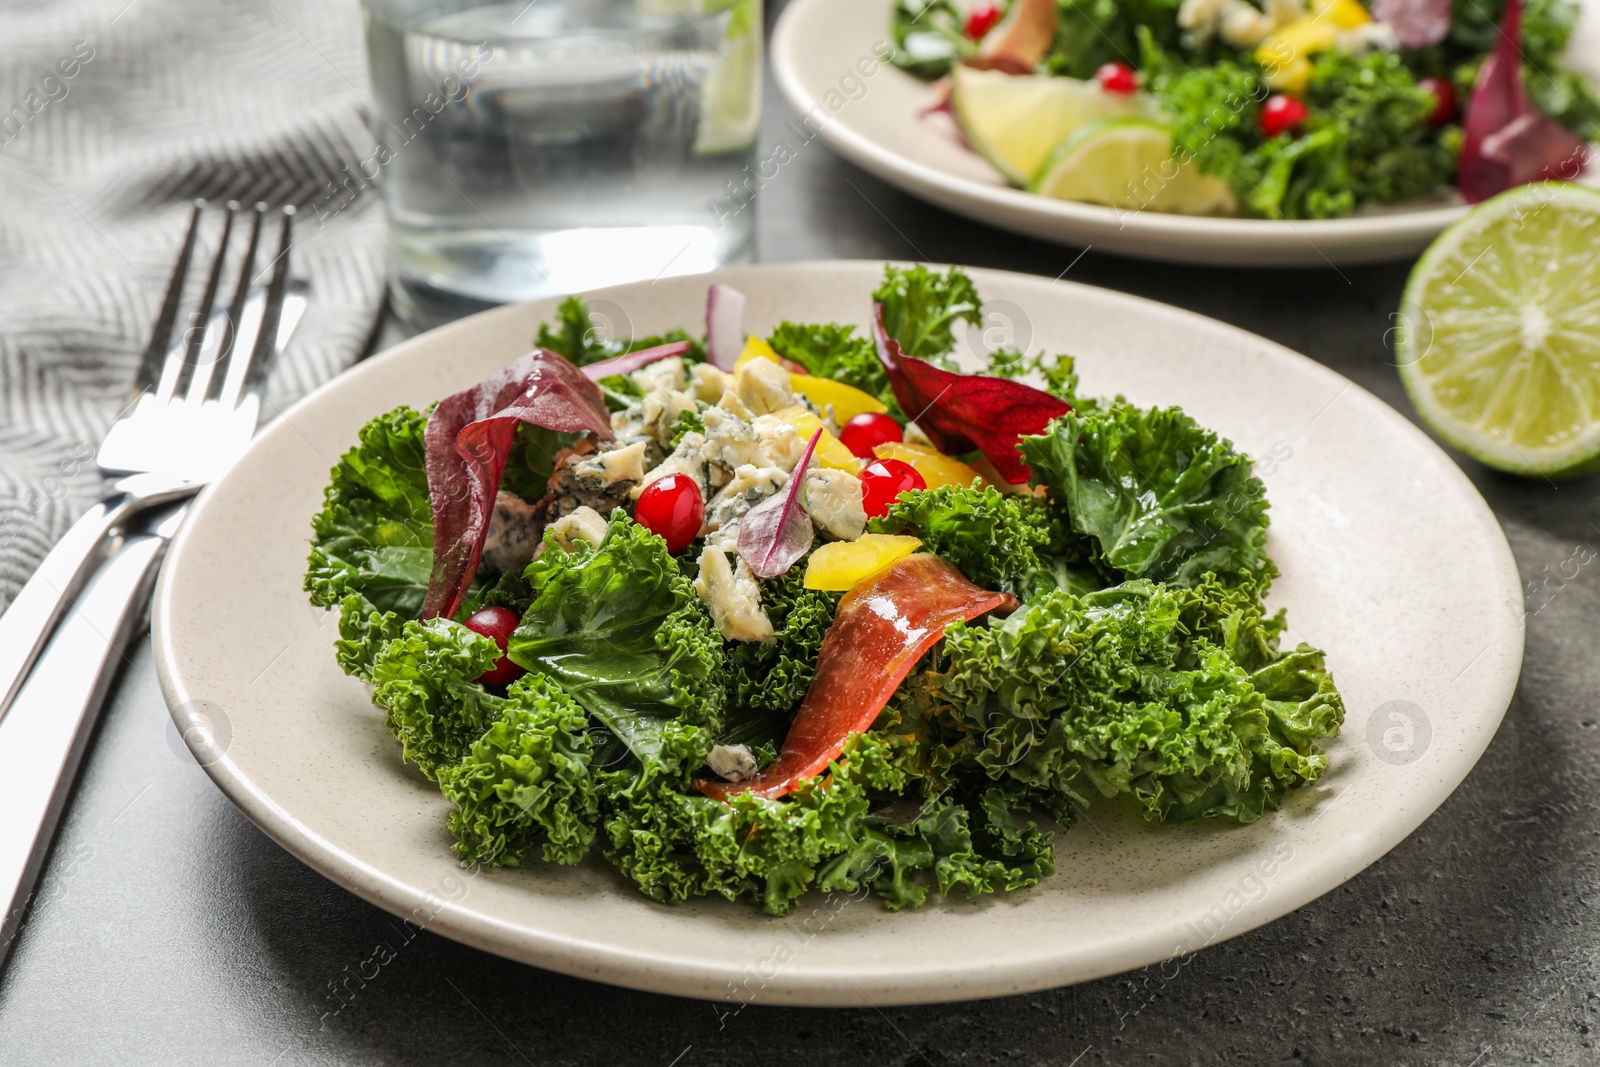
x=1509 y=142
x=724 y=324
x=629 y=362
x=777 y=532
x=1416 y=23
x=465 y=446
x=960 y=412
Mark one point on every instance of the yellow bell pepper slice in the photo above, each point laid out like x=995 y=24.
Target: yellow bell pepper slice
x=936 y=468
x=755 y=348
x=1286 y=53
x=839 y=565
x=1346 y=14
x=1290 y=77
x=847 y=400
x=831 y=451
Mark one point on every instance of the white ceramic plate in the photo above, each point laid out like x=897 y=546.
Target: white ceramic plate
x=1391 y=562
x=825 y=59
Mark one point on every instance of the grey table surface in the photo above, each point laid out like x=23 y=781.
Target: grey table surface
x=169 y=930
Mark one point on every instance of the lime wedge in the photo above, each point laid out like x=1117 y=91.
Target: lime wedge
x=1498 y=337
x=1013 y=120
x=1128 y=163
x=730 y=97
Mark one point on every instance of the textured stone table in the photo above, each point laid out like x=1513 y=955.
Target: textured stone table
x=171 y=931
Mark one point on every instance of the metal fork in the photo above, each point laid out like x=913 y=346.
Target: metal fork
x=194 y=406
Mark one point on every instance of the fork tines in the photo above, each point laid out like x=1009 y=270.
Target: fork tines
x=219 y=351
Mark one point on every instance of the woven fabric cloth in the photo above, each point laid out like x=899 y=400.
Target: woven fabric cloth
x=114 y=117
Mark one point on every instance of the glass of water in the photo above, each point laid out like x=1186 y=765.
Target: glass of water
x=540 y=147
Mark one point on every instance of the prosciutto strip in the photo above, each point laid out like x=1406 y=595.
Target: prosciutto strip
x=881 y=629
x=1024 y=36
x=465 y=446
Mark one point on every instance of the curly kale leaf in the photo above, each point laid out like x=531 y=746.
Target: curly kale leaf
x=426 y=681
x=374 y=534
x=1057 y=373
x=1367 y=139
x=830 y=834
x=1216 y=122
x=579 y=337
x=1162 y=496
x=921 y=306
x=619 y=627
x=363 y=631
x=1093 y=32
x=928 y=36
x=507 y=591
x=993 y=538
x=978 y=851
x=835 y=351
x=1392 y=153
x=526 y=781
x=773 y=676
x=1113 y=694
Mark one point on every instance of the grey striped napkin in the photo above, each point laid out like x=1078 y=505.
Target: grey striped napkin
x=114 y=115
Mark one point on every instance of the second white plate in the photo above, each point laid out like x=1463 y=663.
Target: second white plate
x=825 y=57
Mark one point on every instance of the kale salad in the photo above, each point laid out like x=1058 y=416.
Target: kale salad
x=748 y=616
x=1276 y=109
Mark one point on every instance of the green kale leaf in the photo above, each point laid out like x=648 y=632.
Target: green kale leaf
x=526 y=781
x=920 y=306
x=1094 y=32
x=1367 y=139
x=1162 y=496
x=426 y=681
x=1392 y=153
x=835 y=351
x=579 y=338
x=363 y=631
x=1108 y=694
x=834 y=833
x=992 y=538
x=621 y=629
x=773 y=676
x=374 y=534
x=1057 y=374
x=929 y=36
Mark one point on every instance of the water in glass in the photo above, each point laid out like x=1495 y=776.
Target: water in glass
x=533 y=148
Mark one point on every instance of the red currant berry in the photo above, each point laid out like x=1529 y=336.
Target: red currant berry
x=1117 y=78
x=1282 y=114
x=497 y=623
x=883 y=480
x=867 y=431
x=1444 y=95
x=982 y=20
x=672 y=507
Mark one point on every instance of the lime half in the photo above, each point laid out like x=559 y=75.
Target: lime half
x=1014 y=120
x=1498 y=336
x=1128 y=163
